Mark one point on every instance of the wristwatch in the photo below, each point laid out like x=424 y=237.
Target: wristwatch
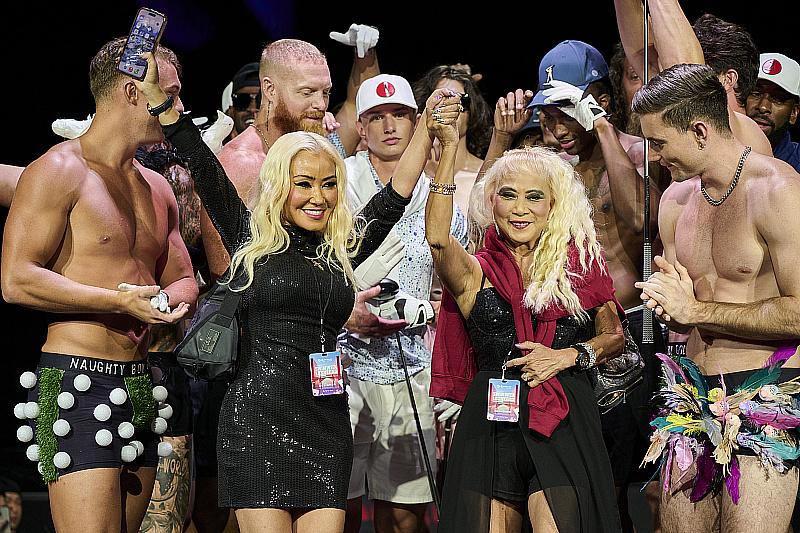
x=586 y=356
x=155 y=111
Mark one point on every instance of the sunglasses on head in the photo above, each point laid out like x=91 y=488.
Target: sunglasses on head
x=241 y=101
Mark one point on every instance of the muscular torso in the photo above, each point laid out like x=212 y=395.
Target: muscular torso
x=116 y=232
x=622 y=245
x=728 y=261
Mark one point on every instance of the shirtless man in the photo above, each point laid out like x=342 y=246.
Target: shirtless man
x=674 y=41
x=728 y=277
x=93 y=238
x=575 y=98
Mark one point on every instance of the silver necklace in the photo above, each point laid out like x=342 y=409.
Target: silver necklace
x=263 y=138
x=717 y=203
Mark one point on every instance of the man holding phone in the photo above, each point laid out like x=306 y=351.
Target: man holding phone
x=93 y=238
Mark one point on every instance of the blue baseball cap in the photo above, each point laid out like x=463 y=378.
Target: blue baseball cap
x=574 y=62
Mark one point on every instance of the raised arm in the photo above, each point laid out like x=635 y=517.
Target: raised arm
x=456 y=268
x=674 y=37
x=219 y=196
x=630 y=23
x=624 y=177
x=365 y=66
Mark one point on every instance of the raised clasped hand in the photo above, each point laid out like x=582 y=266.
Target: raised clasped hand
x=670 y=292
x=441 y=115
x=540 y=363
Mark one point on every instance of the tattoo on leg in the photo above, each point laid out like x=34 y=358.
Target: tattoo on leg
x=169 y=503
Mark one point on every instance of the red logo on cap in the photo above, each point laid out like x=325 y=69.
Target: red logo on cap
x=384 y=89
x=772 y=67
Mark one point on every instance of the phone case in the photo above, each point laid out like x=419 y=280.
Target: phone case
x=146 y=31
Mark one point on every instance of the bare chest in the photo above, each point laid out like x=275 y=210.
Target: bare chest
x=119 y=218
x=720 y=243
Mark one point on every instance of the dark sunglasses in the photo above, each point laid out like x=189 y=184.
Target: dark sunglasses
x=241 y=101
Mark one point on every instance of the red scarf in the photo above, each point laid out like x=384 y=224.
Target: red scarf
x=453 y=365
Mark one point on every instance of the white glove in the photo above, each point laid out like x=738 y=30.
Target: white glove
x=378 y=265
x=584 y=109
x=218 y=132
x=447 y=410
x=402 y=306
x=69 y=128
x=361 y=36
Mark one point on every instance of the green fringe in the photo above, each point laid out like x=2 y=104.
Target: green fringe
x=140 y=391
x=49 y=389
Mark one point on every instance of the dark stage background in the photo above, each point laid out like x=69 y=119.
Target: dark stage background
x=46 y=48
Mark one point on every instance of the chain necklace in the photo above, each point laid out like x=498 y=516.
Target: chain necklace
x=263 y=138
x=717 y=203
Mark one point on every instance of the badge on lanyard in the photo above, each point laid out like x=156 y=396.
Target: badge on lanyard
x=327 y=377
x=503 y=399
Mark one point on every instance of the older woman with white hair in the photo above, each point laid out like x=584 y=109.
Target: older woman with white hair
x=521 y=323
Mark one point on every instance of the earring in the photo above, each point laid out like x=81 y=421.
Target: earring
x=701 y=146
x=269 y=108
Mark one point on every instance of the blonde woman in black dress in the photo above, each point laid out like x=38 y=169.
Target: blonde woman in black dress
x=284 y=454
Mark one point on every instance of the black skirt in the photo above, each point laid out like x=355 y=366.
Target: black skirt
x=491 y=460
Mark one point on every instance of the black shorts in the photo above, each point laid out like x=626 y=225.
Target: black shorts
x=166 y=371
x=55 y=376
x=515 y=475
x=207 y=399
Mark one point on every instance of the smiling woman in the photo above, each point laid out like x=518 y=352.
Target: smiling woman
x=314 y=193
x=533 y=310
x=285 y=447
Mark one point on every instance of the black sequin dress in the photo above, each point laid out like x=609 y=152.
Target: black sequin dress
x=507 y=460
x=278 y=445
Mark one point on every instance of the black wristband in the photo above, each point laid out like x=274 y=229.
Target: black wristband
x=155 y=111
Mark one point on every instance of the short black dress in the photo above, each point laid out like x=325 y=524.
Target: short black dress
x=278 y=445
x=508 y=461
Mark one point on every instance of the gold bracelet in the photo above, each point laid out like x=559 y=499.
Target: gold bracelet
x=447 y=189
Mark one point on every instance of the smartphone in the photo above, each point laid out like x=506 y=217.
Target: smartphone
x=145 y=33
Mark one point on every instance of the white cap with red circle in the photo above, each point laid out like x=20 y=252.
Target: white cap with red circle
x=781 y=70
x=384 y=89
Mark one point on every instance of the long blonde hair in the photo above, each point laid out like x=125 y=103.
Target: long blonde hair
x=267 y=232
x=570 y=219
